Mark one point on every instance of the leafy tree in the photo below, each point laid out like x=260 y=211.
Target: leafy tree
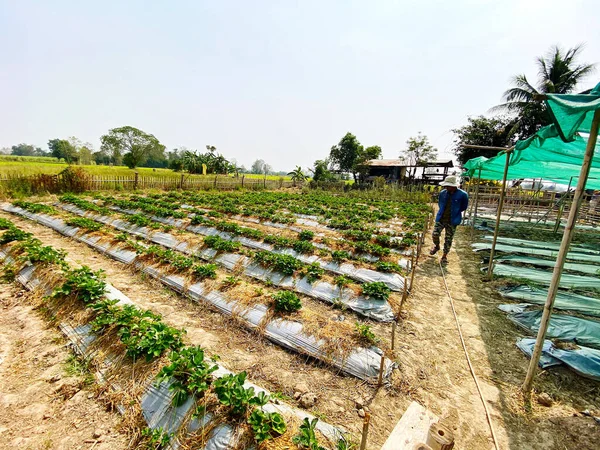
x=136 y=145
x=26 y=150
x=558 y=73
x=493 y=131
x=101 y=157
x=417 y=152
x=321 y=171
x=345 y=154
x=260 y=167
x=85 y=154
x=63 y=149
x=297 y=175
x=349 y=155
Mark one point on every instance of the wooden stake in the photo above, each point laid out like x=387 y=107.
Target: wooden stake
x=393 y=334
x=490 y=273
x=365 y=431
x=381 y=366
x=413 y=266
x=562 y=253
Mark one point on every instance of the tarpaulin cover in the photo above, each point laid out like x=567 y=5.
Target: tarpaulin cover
x=588 y=269
x=564 y=300
x=544 y=245
x=566 y=328
x=556 y=151
x=572 y=256
x=544 y=277
x=583 y=360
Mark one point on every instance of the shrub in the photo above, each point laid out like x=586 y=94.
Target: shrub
x=286 y=301
x=203 y=271
x=306 y=235
x=377 y=289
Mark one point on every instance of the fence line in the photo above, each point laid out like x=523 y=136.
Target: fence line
x=58 y=183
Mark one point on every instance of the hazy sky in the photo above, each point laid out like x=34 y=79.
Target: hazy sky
x=277 y=80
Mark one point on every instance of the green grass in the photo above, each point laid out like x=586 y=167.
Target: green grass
x=33 y=166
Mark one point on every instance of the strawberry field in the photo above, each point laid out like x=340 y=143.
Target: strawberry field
x=320 y=277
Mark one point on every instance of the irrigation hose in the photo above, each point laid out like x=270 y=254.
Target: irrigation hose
x=464 y=346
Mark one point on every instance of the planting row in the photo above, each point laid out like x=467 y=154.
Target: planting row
x=277 y=267
x=360 y=362
x=362 y=244
x=249 y=238
x=192 y=384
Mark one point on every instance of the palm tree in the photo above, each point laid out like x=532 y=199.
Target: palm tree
x=297 y=175
x=558 y=73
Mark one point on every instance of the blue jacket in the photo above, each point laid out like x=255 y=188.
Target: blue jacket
x=460 y=201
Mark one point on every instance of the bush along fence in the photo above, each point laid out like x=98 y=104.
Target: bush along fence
x=75 y=179
x=188 y=390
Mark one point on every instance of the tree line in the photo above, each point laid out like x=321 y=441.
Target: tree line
x=133 y=148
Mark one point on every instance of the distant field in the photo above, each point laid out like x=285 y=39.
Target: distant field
x=33 y=165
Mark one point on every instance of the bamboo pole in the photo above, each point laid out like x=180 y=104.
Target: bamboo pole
x=562 y=253
x=365 y=431
x=490 y=273
x=474 y=217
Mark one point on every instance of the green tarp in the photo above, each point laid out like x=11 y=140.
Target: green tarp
x=505 y=248
x=546 y=245
x=546 y=154
x=588 y=269
x=544 y=277
x=564 y=300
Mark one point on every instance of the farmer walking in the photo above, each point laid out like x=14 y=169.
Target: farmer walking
x=452 y=202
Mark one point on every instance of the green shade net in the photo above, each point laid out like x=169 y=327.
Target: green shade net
x=546 y=154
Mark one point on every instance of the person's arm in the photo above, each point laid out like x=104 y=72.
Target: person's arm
x=464 y=204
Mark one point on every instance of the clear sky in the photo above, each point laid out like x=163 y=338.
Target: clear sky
x=278 y=80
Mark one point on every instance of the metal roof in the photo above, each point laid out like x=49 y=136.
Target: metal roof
x=401 y=162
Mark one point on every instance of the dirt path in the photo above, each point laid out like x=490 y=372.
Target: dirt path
x=437 y=375
x=42 y=404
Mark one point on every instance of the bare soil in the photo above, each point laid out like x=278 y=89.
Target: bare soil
x=42 y=404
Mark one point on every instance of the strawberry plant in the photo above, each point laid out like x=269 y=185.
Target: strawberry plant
x=342 y=281
x=34 y=252
x=313 y=272
x=35 y=207
x=303 y=246
x=84 y=284
x=286 y=301
x=220 y=244
x=384 y=266
x=14 y=234
x=203 y=271
x=365 y=333
x=266 y=425
x=307 y=438
x=189 y=372
x=377 y=290
x=340 y=255
x=231 y=392
x=230 y=282
x=286 y=264
x=84 y=222
x=139 y=220
x=306 y=235
x=155 y=438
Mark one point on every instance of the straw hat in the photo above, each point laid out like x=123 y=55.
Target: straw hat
x=450 y=181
